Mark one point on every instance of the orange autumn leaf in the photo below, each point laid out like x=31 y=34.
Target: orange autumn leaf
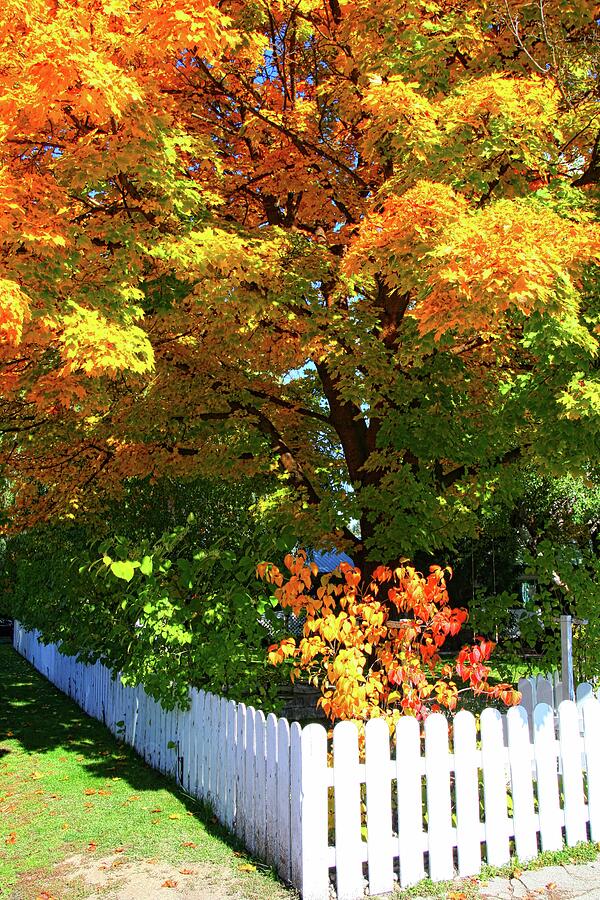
x=169 y=883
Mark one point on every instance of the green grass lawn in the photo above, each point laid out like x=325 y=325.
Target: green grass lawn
x=67 y=787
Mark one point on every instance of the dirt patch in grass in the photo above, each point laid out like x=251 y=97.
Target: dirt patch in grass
x=116 y=877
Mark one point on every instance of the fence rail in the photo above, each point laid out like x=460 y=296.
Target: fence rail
x=433 y=800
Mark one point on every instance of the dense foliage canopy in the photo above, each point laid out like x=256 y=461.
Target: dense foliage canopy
x=350 y=242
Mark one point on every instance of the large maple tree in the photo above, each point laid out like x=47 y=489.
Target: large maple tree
x=348 y=243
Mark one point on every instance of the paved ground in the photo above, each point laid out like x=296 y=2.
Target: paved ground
x=566 y=882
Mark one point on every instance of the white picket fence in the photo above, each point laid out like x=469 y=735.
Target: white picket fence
x=549 y=689
x=421 y=804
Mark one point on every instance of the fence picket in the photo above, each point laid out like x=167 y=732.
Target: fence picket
x=546 y=756
x=200 y=741
x=493 y=757
x=346 y=787
x=296 y=801
x=591 y=736
x=271 y=852
x=545 y=691
x=570 y=752
x=250 y=763
x=411 y=839
x=283 y=800
x=519 y=753
x=379 y=807
x=584 y=691
x=314 y=883
x=527 y=688
x=240 y=767
x=439 y=804
x=222 y=759
x=260 y=799
x=466 y=771
x=230 y=766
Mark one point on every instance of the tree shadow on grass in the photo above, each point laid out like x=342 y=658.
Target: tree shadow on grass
x=41 y=718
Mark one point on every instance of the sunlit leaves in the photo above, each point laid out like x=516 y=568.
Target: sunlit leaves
x=14 y=311
x=373 y=649
x=94 y=345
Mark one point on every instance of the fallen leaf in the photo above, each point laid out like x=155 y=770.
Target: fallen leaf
x=89 y=791
x=35 y=776
x=104 y=793
x=45 y=896
x=187 y=872
x=39 y=792
x=152 y=862
x=119 y=850
x=12 y=838
x=248 y=867
x=92 y=846
x=155 y=822
x=188 y=844
x=131 y=799
x=551 y=886
x=175 y=816
x=169 y=883
x=155 y=810
x=64 y=826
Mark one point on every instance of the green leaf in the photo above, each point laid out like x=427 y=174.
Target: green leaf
x=124 y=570
x=146 y=565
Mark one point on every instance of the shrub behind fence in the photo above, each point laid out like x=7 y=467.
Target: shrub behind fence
x=433 y=801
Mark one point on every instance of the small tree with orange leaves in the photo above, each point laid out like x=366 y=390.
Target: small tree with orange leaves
x=365 y=663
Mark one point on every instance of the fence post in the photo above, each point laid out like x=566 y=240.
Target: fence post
x=566 y=651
